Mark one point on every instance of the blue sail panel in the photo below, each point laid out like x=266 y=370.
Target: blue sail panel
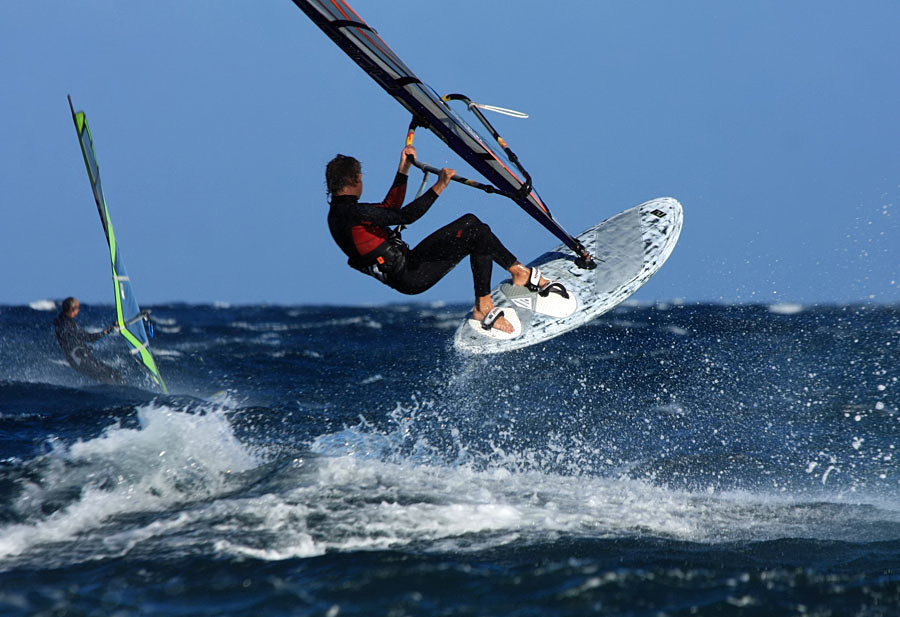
x=129 y=316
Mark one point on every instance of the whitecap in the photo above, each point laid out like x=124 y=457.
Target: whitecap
x=43 y=305
x=785 y=308
x=166 y=353
x=173 y=457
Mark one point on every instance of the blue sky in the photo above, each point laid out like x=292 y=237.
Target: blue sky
x=775 y=124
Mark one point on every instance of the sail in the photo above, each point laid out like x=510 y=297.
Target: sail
x=359 y=41
x=129 y=317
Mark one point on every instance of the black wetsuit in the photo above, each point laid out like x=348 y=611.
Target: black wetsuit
x=361 y=230
x=75 y=344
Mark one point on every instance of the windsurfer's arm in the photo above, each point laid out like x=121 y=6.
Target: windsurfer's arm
x=397 y=192
x=90 y=337
x=443 y=180
x=389 y=212
x=411 y=212
x=406 y=160
x=385 y=217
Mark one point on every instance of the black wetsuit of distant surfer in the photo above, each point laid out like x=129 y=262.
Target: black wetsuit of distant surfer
x=362 y=232
x=76 y=342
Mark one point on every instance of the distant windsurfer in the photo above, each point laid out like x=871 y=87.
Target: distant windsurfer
x=362 y=232
x=76 y=342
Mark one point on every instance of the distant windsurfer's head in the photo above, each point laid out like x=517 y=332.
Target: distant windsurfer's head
x=342 y=171
x=70 y=306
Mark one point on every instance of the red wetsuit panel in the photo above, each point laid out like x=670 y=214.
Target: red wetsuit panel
x=359 y=228
x=368 y=236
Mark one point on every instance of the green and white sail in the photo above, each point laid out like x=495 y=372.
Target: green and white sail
x=129 y=316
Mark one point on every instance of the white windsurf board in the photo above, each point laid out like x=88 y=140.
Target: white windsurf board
x=628 y=248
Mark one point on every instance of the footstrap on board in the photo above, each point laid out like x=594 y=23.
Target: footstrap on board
x=493 y=315
x=534 y=284
x=553 y=287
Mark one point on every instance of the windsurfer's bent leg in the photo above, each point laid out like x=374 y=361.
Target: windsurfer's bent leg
x=440 y=252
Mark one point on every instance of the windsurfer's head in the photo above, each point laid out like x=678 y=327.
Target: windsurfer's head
x=70 y=306
x=342 y=172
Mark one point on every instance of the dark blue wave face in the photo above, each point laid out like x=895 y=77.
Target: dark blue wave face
x=706 y=460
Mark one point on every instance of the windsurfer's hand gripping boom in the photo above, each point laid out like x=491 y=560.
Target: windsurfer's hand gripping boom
x=445 y=175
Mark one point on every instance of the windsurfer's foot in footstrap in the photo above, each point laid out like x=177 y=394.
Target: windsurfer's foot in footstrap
x=537 y=282
x=535 y=293
x=496 y=323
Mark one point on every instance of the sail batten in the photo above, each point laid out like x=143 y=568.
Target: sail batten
x=129 y=316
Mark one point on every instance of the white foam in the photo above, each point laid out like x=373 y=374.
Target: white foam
x=173 y=457
x=447 y=323
x=363 y=320
x=363 y=489
x=785 y=308
x=43 y=305
x=266 y=514
x=375 y=490
x=166 y=353
x=262 y=326
x=363 y=504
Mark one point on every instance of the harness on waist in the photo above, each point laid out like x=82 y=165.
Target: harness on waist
x=386 y=259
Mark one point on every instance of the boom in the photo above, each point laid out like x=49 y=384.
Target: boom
x=359 y=41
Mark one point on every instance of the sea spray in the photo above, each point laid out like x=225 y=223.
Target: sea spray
x=171 y=459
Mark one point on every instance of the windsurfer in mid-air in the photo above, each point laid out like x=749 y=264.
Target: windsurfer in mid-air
x=76 y=342
x=362 y=232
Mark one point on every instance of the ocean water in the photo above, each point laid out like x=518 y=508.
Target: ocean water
x=663 y=460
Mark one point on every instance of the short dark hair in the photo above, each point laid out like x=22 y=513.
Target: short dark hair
x=341 y=171
x=68 y=303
